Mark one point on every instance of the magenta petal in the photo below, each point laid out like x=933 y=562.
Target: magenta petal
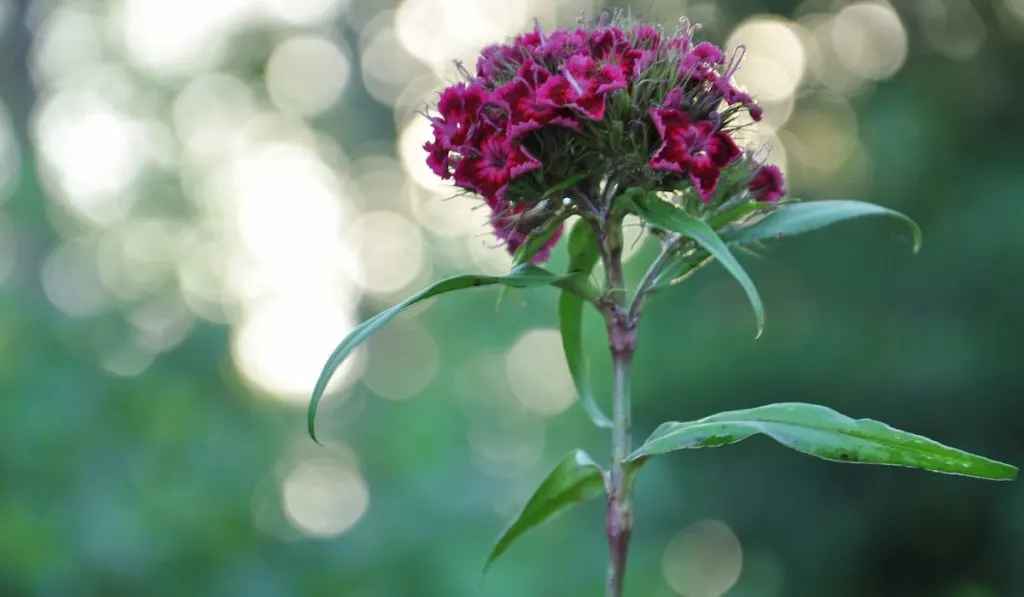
x=560 y=44
x=461 y=100
x=647 y=36
x=672 y=127
x=767 y=184
x=666 y=121
x=603 y=41
x=437 y=159
x=591 y=106
x=704 y=176
x=533 y=73
x=493 y=59
x=512 y=94
x=530 y=40
x=723 y=150
x=569 y=122
x=644 y=59
x=519 y=130
x=610 y=78
x=671 y=156
x=520 y=162
x=660 y=162
x=580 y=66
x=556 y=92
x=524 y=113
x=707 y=52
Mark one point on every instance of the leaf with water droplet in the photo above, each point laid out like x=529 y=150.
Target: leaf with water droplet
x=825 y=433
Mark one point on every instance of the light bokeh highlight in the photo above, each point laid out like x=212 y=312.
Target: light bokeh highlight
x=703 y=560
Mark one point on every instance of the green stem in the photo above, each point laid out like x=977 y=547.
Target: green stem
x=622 y=341
x=619 y=516
x=646 y=286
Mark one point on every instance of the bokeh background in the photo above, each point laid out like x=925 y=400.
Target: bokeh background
x=199 y=198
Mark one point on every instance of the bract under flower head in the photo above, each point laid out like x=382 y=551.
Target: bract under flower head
x=606 y=106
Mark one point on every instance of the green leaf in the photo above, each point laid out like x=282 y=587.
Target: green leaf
x=583 y=256
x=526 y=276
x=577 y=478
x=739 y=212
x=684 y=267
x=666 y=216
x=536 y=240
x=798 y=218
x=583 y=250
x=825 y=433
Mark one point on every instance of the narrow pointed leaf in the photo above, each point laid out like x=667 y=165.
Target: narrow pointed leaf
x=526 y=276
x=536 y=240
x=577 y=478
x=682 y=269
x=735 y=214
x=798 y=218
x=583 y=255
x=668 y=217
x=825 y=433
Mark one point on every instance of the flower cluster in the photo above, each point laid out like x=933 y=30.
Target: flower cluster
x=606 y=106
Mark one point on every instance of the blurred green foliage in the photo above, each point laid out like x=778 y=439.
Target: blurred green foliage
x=168 y=482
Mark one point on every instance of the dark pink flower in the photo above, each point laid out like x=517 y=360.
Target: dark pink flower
x=533 y=73
x=530 y=40
x=583 y=86
x=493 y=163
x=767 y=184
x=731 y=95
x=610 y=46
x=644 y=59
x=674 y=99
x=594 y=77
x=706 y=52
x=701 y=61
x=646 y=37
x=560 y=92
x=679 y=44
x=495 y=59
x=439 y=158
x=541 y=99
x=605 y=40
x=695 y=149
x=525 y=113
x=525 y=109
x=459 y=109
x=561 y=44
x=520 y=161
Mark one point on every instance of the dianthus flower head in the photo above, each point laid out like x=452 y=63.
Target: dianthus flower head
x=605 y=106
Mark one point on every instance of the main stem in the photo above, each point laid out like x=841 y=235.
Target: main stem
x=622 y=340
